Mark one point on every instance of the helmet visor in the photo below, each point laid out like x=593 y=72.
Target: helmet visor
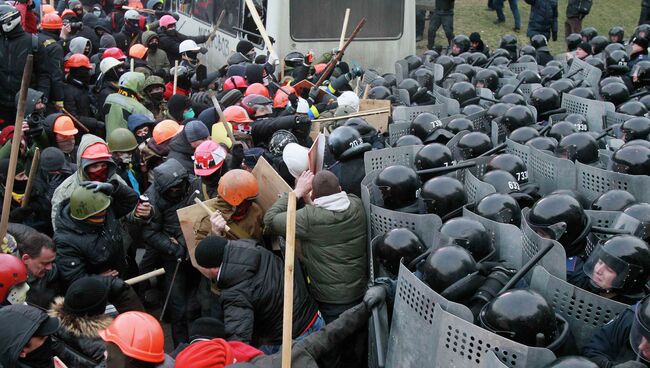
x=619 y=167
x=605 y=270
x=640 y=338
x=554 y=231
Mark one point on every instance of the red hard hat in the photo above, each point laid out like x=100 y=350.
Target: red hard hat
x=138 y=335
x=251 y=102
x=77 y=61
x=12 y=272
x=138 y=51
x=113 y=52
x=96 y=151
x=236 y=114
x=68 y=13
x=51 y=21
x=166 y=20
x=208 y=158
x=281 y=99
x=257 y=89
x=235 y=82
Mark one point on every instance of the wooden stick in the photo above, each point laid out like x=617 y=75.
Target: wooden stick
x=145 y=276
x=282 y=66
x=345 y=28
x=208 y=210
x=222 y=119
x=216 y=26
x=140 y=10
x=260 y=25
x=287 y=318
x=366 y=91
x=32 y=175
x=355 y=115
x=339 y=55
x=175 y=76
x=132 y=65
x=15 y=145
x=75 y=120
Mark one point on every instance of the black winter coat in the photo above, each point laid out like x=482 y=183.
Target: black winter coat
x=181 y=150
x=19 y=322
x=578 y=8
x=350 y=174
x=251 y=279
x=54 y=64
x=543 y=17
x=170 y=40
x=77 y=99
x=164 y=222
x=610 y=344
x=262 y=129
x=14 y=48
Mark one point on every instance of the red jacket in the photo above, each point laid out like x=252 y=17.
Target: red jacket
x=169 y=91
x=27 y=17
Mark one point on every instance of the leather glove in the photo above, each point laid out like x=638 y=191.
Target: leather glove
x=302 y=119
x=180 y=252
x=630 y=364
x=356 y=72
x=554 y=36
x=374 y=296
x=293 y=100
x=313 y=95
x=96 y=186
x=116 y=286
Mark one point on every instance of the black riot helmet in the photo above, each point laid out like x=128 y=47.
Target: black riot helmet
x=631 y=159
x=543 y=143
x=583 y=92
x=509 y=43
x=469 y=234
x=615 y=93
x=395 y=245
x=391 y=79
x=507 y=89
x=524 y=316
x=378 y=81
x=462 y=42
x=561 y=129
x=346 y=142
x=496 y=111
x=598 y=44
x=446 y=62
x=407 y=140
x=538 y=41
x=645 y=100
x=581 y=147
x=528 y=50
x=447 y=265
x=464 y=93
x=467 y=70
x=499 y=61
x=605 y=81
x=596 y=63
x=477 y=59
x=635 y=128
x=584 y=202
x=529 y=76
x=505 y=183
x=641 y=212
x=474 y=144
x=572 y=41
x=545 y=100
x=579 y=121
x=413 y=62
x=379 y=93
x=562 y=85
x=510 y=163
x=454 y=78
x=501 y=208
x=526 y=59
x=429 y=55
x=432 y=156
x=616 y=62
x=562 y=218
x=640 y=331
x=503 y=53
x=550 y=73
x=622 y=263
x=513 y=99
x=487 y=78
x=279 y=140
x=442 y=195
x=471 y=109
x=613 y=200
x=460 y=124
x=410 y=85
x=517 y=117
x=294 y=59
x=572 y=361
x=613 y=47
x=616 y=34
x=588 y=34
x=523 y=134
x=634 y=108
x=429 y=128
x=398 y=185
x=424 y=77
x=641 y=73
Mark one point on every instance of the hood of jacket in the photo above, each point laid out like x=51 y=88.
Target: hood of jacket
x=18 y=323
x=168 y=174
x=78 y=45
x=179 y=143
x=90 y=20
x=86 y=141
x=107 y=41
x=148 y=35
x=241 y=260
x=80 y=326
x=48 y=126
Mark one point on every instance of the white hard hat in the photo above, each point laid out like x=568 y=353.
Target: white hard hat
x=188 y=45
x=132 y=15
x=303 y=106
x=348 y=98
x=108 y=64
x=296 y=158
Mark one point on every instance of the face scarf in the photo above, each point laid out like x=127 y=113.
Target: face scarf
x=99 y=175
x=175 y=193
x=188 y=114
x=156 y=96
x=66 y=145
x=153 y=46
x=97 y=218
x=41 y=357
x=241 y=210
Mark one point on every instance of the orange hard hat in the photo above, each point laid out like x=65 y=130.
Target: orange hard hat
x=138 y=335
x=319 y=68
x=165 y=130
x=47 y=9
x=138 y=51
x=68 y=13
x=96 y=151
x=281 y=99
x=77 y=61
x=137 y=4
x=236 y=186
x=12 y=273
x=63 y=125
x=257 y=89
x=236 y=114
x=51 y=21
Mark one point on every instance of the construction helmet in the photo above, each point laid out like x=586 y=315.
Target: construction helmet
x=235 y=82
x=138 y=335
x=236 y=114
x=236 y=186
x=51 y=21
x=132 y=15
x=85 y=203
x=165 y=130
x=47 y=9
x=167 y=20
x=96 y=151
x=109 y=63
x=121 y=140
x=113 y=52
x=188 y=45
x=63 y=125
x=281 y=99
x=77 y=61
x=208 y=158
x=257 y=89
x=12 y=273
x=220 y=134
x=138 y=51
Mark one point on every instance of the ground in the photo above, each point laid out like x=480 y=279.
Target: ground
x=472 y=16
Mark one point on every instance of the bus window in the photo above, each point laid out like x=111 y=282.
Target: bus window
x=249 y=25
x=203 y=10
x=231 y=18
x=321 y=20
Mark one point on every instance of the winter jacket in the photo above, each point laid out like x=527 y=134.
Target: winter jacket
x=79 y=336
x=117 y=108
x=54 y=64
x=27 y=17
x=14 y=48
x=543 y=18
x=171 y=40
x=164 y=223
x=251 y=280
x=41 y=200
x=19 y=323
x=43 y=291
x=125 y=39
x=181 y=150
x=77 y=99
x=333 y=247
x=610 y=344
x=106 y=88
x=645 y=3
x=444 y=7
x=157 y=60
x=578 y=8
x=262 y=129
x=48 y=132
x=249 y=227
x=350 y=173
x=308 y=352
x=64 y=191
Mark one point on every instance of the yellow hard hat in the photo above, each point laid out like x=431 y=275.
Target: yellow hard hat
x=220 y=135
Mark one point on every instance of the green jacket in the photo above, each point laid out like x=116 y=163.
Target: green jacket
x=334 y=247
x=119 y=108
x=156 y=60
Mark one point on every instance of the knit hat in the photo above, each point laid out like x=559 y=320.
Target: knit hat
x=52 y=159
x=73 y=3
x=86 y=296
x=586 y=47
x=244 y=46
x=177 y=105
x=207 y=328
x=641 y=41
x=215 y=353
x=107 y=41
x=209 y=251
x=195 y=130
x=474 y=37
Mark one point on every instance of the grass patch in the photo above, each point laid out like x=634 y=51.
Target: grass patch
x=471 y=16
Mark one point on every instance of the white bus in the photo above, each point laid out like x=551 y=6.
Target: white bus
x=304 y=25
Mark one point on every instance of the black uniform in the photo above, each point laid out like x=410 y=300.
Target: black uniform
x=443 y=15
x=54 y=65
x=171 y=39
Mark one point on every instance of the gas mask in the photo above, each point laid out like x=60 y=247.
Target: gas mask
x=124 y=157
x=18 y=294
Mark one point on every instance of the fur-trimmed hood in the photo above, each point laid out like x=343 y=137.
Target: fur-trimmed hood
x=81 y=326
